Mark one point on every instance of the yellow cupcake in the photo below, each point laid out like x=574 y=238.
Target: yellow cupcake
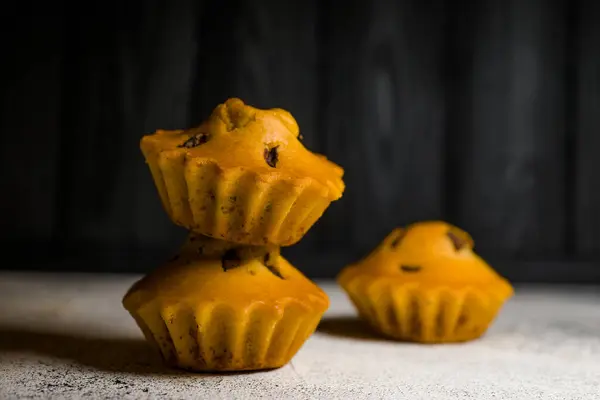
x=425 y=284
x=222 y=307
x=242 y=176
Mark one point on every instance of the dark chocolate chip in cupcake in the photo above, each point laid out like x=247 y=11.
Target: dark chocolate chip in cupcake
x=273 y=269
x=230 y=260
x=271 y=156
x=394 y=243
x=410 y=268
x=457 y=241
x=195 y=140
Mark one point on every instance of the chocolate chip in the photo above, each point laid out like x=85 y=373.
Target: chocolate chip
x=195 y=140
x=410 y=268
x=272 y=269
x=457 y=241
x=394 y=243
x=230 y=260
x=275 y=271
x=271 y=156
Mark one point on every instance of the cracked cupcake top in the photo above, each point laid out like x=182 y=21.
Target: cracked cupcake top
x=427 y=252
x=240 y=136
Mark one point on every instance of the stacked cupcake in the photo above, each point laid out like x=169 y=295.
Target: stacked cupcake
x=242 y=184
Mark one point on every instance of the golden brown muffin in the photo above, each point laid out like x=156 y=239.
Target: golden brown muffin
x=425 y=284
x=222 y=307
x=242 y=176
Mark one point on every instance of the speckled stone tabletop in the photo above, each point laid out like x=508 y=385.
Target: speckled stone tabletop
x=67 y=336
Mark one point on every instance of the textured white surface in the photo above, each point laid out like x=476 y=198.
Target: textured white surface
x=67 y=336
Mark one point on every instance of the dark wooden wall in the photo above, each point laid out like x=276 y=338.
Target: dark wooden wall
x=486 y=114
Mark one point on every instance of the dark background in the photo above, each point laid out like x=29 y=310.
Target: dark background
x=483 y=113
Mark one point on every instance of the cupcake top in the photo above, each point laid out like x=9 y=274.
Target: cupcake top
x=426 y=252
x=237 y=135
x=211 y=270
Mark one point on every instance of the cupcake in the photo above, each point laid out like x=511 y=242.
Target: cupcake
x=242 y=176
x=218 y=306
x=425 y=284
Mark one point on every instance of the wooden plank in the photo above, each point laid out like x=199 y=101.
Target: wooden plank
x=385 y=116
x=162 y=50
x=29 y=123
x=263 y=52
x=128 y=73
x=90 y=117
x=586 y=203
x=215 y=57
x=509 y=142
x=275 y=44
